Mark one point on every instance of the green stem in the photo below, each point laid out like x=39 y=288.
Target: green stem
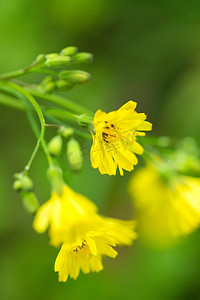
x=62 y=114
x=61 y=101
x=77 y=132
x=20 y=72
x=20 y=91
x=11 y=102
x=14 y=103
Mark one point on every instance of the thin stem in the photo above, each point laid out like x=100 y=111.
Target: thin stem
x=20 y=72
x=11 y=102
x=34 y=103
x=62 y=114
x=14 y=103
x=77 y=132
x=61 y=101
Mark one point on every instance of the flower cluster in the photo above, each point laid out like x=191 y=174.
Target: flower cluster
x=85 y=236
x=166 y=192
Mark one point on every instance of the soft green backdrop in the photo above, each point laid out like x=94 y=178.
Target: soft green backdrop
x=148 y=51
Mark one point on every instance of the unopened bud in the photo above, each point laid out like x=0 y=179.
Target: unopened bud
x=63 y=85
x=27 y=183
x=30 y=202
x=75 y=76
x=51 y=56
x=40 y=58
x=17 y=185
x=69 y=51
x=74 y=155
x=59 y=61
x=23 y=183
x=48 y=87
x=55 y=145
x=82 y=57
x=86 y=120
x=66 y=132
x=55 y=177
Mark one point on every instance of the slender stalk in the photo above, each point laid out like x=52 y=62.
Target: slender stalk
x=20 y=72
x=11 y=102
x=14 y=103
x=62 y=114
x=20 y=91
x=61 y=101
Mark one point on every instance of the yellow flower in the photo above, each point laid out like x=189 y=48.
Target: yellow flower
x=165 y=209
x=84 y=235
x=62 y=211
x=92 y=240
x=114 y=139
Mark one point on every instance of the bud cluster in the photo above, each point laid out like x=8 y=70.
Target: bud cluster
x=65 y=79
x=24 y=185
x=72 y=149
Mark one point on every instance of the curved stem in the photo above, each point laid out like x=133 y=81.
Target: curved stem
x=34 y=103
x=20 y=72
x=61 y=101
x=14 y=103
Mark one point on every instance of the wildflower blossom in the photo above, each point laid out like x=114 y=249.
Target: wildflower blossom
x=114 y=140
x=166 y=209
x=85 y=236
x=92 y=240
x=62 y=211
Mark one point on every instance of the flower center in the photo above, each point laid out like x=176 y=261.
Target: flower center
x=80 y=248
x=109 y=133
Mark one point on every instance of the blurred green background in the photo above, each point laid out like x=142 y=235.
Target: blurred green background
x=148 y=51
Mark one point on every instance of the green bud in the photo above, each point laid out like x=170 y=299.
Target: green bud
x=59 y=61
x=86 y=120
x=27 y=183
x=66 y=132
x=69 y=51
x=22 y=183
x=82 y=57
x=47 y=79
x=30 y=202
x=75 y=76
x=63 y=85
x=51 y=56
x=40 y=59
x=74 y=155
x=48 y=87
x=55 y=177
x=55 y=145
x=17 y=185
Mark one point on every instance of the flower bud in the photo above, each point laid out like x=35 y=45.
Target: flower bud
x=69 y=51
x=48 y=87
x=30 y=202
x=22 y=183
x=82 y=57
x=54 y=175
x=62 y=85
x=74 y=155
x=66 y=132
x=59 y=61
x=86 y=120
x=75 y=76
x=17 y=185
x=51 y=56
x=27 y=183
x=55 y=145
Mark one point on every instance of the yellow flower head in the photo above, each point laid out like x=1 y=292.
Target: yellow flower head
x=165 y=209
x=92 y=240
x=114 y=140
x=62 y=211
